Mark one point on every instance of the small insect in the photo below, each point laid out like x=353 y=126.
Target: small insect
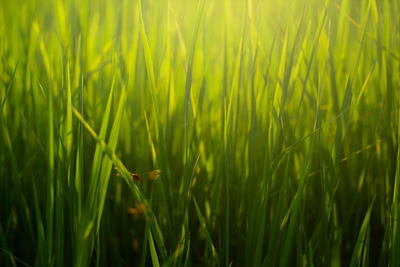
x=152 y=175
x=136 y=176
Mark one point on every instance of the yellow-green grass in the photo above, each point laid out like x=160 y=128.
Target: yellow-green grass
x=275 y=125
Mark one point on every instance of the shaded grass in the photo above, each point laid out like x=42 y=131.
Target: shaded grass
x=274 y=124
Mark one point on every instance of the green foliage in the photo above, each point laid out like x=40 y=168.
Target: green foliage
x=275 y=125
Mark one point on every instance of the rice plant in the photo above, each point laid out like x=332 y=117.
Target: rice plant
x=199 y=133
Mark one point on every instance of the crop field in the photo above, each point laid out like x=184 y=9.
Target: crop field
x=199 y=133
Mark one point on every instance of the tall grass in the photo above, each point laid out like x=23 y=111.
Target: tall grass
x=275 y=125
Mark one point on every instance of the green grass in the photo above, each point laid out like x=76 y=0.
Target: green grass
x=275 y=125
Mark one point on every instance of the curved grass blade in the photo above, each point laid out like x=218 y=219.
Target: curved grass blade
x=361 y=239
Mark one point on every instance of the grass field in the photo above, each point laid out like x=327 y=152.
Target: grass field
x=273 y=127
